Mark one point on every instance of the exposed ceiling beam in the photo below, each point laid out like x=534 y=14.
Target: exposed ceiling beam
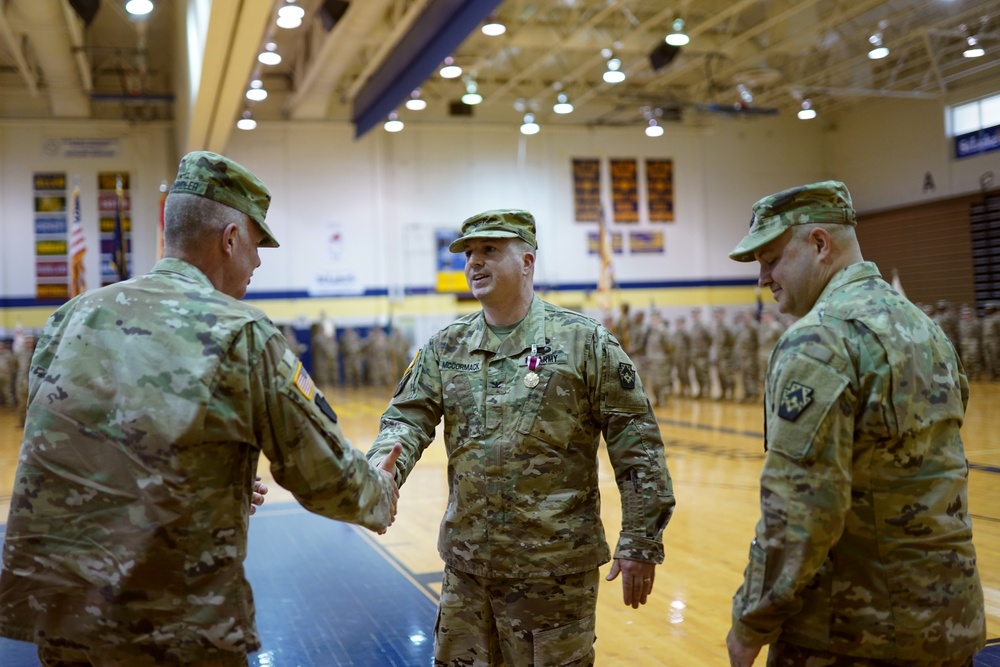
x=14 y=45
x=45 y=27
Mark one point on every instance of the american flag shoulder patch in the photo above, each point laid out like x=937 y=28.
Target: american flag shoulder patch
x=304 y=383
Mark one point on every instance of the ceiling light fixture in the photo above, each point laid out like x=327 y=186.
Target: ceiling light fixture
x=256 y=91
x=138 y=7
x=529 y=126
x=678 y=37
x=269 y=56
x=654 y=129
x=290 y=16
x=614 y=73
x=879 y=50
x=472 y=96
x=493 y=27
x=807 y=112
x=246 y=122
x=450 y=70
x=974 y=50
x=416 y=103
x=393 y=124
x=562 y=105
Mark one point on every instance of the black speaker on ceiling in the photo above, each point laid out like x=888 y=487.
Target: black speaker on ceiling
x=661 y=56
x=85 y=9
x=459 y=108
x=332 y=11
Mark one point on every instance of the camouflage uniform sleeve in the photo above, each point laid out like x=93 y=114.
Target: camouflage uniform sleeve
x=635 y=448
x=805 y=483
x=413 y=414
x=309 y=454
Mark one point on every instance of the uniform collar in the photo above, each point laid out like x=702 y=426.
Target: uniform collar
x=531 y=330
x=190 y=271
x=849 y=274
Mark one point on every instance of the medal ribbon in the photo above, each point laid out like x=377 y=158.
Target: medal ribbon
x=533 y=360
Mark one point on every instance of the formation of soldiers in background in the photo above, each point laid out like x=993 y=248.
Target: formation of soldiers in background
x=689 y=357
x=727 y=360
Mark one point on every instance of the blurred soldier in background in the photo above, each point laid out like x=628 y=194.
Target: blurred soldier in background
x=657 y=356
x=380 y=366
x=970 y=342
x=23 y=358
x=326 y=371
x=726 y=364
x=768 y=333
x=991 y=340
x=947 y=318
x=399 y=344
x=746 y=346
x=8 y=371
x=701 y=349
x=682 y=357
x=352 y=352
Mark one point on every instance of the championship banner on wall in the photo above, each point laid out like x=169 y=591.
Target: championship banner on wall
x=51 y=261
x=114 y=210
x=625 y=190
x=450 y=265
x=645 y=243
x=594 y=243
x=660 y=190
x=586 y=189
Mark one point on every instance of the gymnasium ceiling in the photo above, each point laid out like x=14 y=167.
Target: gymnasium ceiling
x=350 y=53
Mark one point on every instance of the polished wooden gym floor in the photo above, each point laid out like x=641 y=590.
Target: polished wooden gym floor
x=328 y=594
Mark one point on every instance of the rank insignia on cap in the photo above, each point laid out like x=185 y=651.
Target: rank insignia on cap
x=304 y=383
x=795 y=398
x=626 y=375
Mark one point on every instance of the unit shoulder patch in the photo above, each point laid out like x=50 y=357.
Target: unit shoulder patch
x=795 y=398
x=626 y=375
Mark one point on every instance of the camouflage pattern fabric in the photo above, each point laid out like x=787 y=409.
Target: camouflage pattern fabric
x=783 y=654
x=539 y=621
x=746 y=348
x=701 y=347
x=150 y=403
x=523 y=497
x=864 y=546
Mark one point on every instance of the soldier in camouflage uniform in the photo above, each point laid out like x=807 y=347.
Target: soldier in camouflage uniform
x=22 y=360
x=726 y=363
x=682 y=357
x=380 y=372
x=150 y=404
x=970 y=341
x=863 y=553
x=991 y=340
x=658 y=360
x=324 y=355
x=525 y=390
x=701 y=350
x=745 y=347
x=8 y=370
x=352 y=349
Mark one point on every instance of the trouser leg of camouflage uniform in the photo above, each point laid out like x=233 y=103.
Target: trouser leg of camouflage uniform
x=784 y=654
x=62 y=657
x=532 y=622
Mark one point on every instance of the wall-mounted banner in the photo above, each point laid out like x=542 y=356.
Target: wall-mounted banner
x=93 y=147
x=112 y=207
x=594 y=243
x=980 y=141
x=586 y=189
x=625 y=190
x=450 y=265
x=660 y=190
x=329 y=283
x=645 y=242
x=51 y=263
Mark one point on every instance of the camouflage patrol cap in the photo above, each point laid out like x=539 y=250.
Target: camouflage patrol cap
x=497 y=224
x=825 y=202
x=220 y=179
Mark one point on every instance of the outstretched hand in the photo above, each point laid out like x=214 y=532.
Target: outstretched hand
x=637 y=579
x=387 y=467
x=259 y=491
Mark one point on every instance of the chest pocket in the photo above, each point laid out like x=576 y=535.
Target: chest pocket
x=463 y=418
x=552 y=410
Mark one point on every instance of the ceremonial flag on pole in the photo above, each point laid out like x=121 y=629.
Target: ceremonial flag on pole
x=159 y=231
x=77 y=247
x=119 y=259
x=606 y=278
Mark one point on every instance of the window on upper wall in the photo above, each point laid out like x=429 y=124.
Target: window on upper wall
x=975 y=126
